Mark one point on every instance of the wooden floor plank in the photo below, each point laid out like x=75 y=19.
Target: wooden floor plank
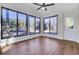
x=42 y=46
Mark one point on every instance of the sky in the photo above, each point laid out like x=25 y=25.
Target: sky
x=13 y=14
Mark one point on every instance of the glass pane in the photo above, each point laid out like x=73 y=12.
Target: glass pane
x=31 y=25
x=5 y=24
x=46 y=25
x=53 y=25
x=22 y=28
x=12 y=23
x=37 y=25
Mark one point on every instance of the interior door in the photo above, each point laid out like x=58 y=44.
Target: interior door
x=69 y=28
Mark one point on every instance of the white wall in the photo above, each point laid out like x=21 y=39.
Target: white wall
x=72 y=33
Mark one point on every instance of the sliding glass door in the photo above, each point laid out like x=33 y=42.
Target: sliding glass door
x=9 y=23
x=31 y=25
x=4 y=24
x=12 y=23
x=50 y=25
x=53 y=25
x=22 y=24
x=34 y=25
x=46 y=25
x=37 y=28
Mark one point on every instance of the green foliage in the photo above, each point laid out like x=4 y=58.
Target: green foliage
x=21 y=24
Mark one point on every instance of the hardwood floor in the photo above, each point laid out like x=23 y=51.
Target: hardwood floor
x=42 y=46
x=0 y=50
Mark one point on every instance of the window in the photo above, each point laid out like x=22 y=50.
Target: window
x=50 y=25
x=37 y=25
x=46 y=25
x=9 y=23
x=4 y=24
x=31 y=25
x=12 y=23
x=22 y=24
x=34 y=25
x=53 y=25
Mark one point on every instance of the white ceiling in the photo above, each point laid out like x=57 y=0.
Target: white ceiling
x=58 y=7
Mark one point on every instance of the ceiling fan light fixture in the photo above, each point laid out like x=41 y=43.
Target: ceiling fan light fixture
x=43 y=8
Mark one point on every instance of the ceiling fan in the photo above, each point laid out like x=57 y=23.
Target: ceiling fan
x=44 y=5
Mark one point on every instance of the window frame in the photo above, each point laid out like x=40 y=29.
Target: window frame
x=34 y=25
x=39 y=24
x=29 y=24
x=16 y=19
x=49 y=25
x=7 y=17
x=43 y=25
x=26 y=23
x=8 y=20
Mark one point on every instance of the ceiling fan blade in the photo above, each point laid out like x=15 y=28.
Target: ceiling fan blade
x=43 y=4
x=39 y=8
x=50 y=4
x=37 y=4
